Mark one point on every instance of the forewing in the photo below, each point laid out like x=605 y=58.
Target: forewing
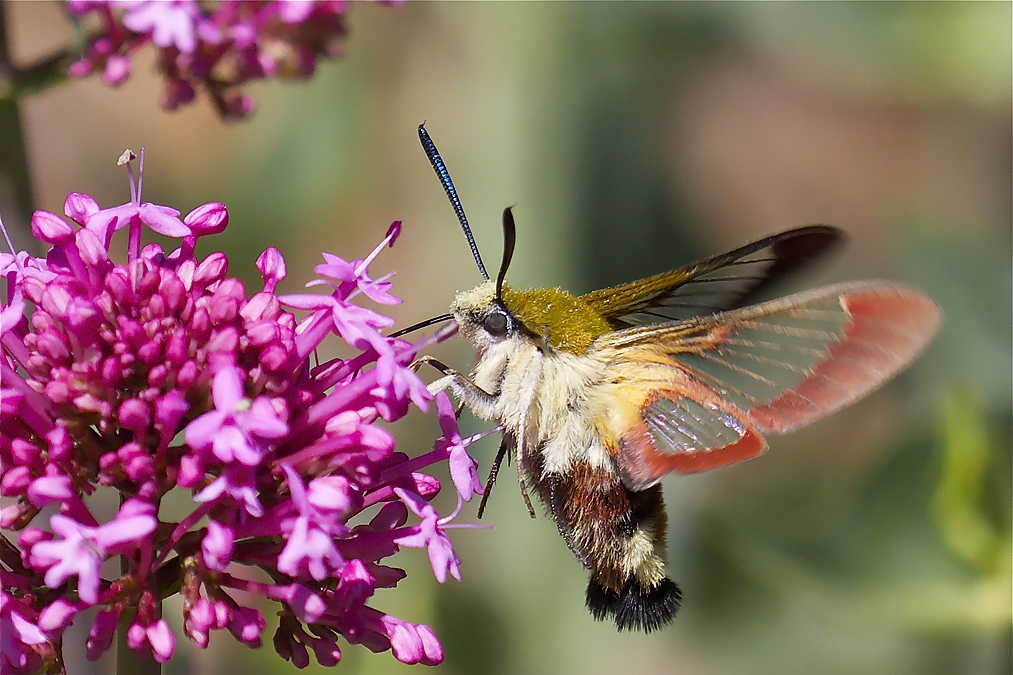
x=707 y=388
x=720 y=283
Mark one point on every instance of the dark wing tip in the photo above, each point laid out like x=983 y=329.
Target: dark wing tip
x=791 y=251
x=805 y=243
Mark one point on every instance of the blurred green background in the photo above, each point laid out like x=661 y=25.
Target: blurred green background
x=632 y=138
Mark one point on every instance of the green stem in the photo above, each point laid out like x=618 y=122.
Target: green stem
x=129 y=662
x=17 y=82
x=16 y=207
x=48 y=72
x=16 y=201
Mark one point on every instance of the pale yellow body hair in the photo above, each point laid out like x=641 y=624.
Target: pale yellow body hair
x=563 y=409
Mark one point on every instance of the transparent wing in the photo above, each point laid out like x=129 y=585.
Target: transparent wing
x=707 y=388
x=719 y=283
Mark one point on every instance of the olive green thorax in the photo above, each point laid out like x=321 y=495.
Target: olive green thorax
x=569 y=323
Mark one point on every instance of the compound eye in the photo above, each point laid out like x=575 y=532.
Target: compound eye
x=496 y=323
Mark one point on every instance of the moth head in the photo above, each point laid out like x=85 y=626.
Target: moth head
x=482 y=313
x=493 y=313
x=550 y=318
x=482 y=317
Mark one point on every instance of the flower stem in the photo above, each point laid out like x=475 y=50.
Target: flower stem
x=39 y=76
x=129 y=662
x=16 y=201
x=17 y=82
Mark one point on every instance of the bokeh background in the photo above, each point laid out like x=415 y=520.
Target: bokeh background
x=632 y=138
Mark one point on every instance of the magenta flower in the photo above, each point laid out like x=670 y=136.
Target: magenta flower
x=463 y=469
x=103 y=223
x=412 y=644
x=237 y=430
x=83 y=549
x=164 y=375
x=18 y=636
x=171 y=23
x=429 y=534
x=312 y=533
x=214 y=46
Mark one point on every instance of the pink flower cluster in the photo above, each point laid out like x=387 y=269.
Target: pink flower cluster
x=215 y=46
x=162 y=375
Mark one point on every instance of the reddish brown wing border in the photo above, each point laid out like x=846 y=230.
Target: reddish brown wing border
x=642 y=464
x=886 y=331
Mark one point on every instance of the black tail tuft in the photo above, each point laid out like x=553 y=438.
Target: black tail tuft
x=601 y=602
x=635 y=607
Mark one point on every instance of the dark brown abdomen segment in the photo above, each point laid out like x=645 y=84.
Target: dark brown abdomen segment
x=620 y=536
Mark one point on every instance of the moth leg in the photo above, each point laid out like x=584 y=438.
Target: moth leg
x=519 y=459
x=491 y=480
x=469 y=392
x=564 y=528
x=474 y=396
x=524 y=492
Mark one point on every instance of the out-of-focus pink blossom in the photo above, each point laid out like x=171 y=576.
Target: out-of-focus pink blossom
x=216 y=47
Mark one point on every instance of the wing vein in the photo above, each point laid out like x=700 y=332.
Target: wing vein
x=779 y=363
x=763 y=344
x=738 y=369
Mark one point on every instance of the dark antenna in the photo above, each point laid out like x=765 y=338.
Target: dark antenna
x=448 y=187
x=509 y=239
x=422 y=324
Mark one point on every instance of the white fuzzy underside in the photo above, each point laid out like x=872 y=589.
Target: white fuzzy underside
x=550 y=400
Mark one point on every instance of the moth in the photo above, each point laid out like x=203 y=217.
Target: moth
x=603 y=394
